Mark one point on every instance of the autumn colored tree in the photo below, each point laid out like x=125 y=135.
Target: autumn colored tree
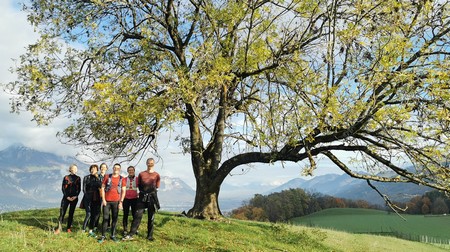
x=252 y=81
x=426 y=205
x=248 y=212
x=339 y=203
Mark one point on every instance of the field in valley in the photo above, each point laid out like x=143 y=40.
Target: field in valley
x=434 y=229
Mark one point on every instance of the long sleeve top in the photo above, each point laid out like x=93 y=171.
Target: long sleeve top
x=71 y=185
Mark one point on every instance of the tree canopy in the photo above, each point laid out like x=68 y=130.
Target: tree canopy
x=254 y=81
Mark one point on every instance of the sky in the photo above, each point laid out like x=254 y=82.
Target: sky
x=17 y=33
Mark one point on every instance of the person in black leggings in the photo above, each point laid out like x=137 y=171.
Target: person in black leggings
x=91 y=198
x=113 y=192
x=71 y=188
x=131 y=197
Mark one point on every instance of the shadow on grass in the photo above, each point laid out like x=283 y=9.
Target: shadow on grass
x=34 y=218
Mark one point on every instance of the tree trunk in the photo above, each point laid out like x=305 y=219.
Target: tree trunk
x=206 y=205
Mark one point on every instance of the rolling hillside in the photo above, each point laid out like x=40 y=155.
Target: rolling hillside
x=33 y=231
x=379 y=222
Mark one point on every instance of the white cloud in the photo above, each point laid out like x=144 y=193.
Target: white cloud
x=18 y=128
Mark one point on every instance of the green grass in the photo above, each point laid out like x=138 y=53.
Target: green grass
x=33 y=231
x=377 y=222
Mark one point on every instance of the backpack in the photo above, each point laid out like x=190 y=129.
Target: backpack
x=133 y=183
x=109 y=184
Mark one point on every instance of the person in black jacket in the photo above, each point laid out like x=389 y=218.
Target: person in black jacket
x=71 y=187
x=91 y=198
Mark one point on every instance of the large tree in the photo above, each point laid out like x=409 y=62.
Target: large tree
x=253 y=81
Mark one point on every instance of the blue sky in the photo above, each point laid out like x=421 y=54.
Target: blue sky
x=17 y=34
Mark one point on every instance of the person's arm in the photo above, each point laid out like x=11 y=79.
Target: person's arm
x=123 y=191
x=62 y=187
x=139 y=183
x=78 y=186
x=85 y=180
x=97 y=182
x=158 y=181
x=102 y=194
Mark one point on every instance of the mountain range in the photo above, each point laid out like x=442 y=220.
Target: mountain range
x=344 y=186
x=32 y=179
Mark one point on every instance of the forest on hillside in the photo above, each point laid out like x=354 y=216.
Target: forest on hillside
x=287 y=204
x=433 y=202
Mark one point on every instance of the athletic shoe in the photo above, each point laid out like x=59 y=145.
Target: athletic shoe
x=150 y=238
x=114 y=239
x=69 y=231
x=128 y=238
x=101 y=240
x=92 y=234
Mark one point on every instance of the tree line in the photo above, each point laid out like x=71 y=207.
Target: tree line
x=287 y=204
x=432 y=202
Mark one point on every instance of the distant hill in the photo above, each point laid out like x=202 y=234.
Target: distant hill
x=32 y=179
x=344 y=186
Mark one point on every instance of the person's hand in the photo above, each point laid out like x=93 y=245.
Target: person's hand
x=103 y=202
x=120 y=205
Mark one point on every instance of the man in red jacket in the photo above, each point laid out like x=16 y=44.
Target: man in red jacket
x=112 y=192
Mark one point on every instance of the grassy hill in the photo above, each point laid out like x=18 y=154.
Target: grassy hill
x=415 y=227
x=33 y=231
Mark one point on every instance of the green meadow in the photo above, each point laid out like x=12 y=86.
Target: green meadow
x=33 y=231
x=380 y=222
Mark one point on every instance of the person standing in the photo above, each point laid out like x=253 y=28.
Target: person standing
x=71 y=188
x=148 y=184
x=101 y=176
x=131 y=197
x=91 y=198
x=112 y=192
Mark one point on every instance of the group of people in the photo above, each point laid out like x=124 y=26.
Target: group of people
x=106 y=194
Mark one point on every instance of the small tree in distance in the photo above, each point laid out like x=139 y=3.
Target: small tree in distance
x=254 y=81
